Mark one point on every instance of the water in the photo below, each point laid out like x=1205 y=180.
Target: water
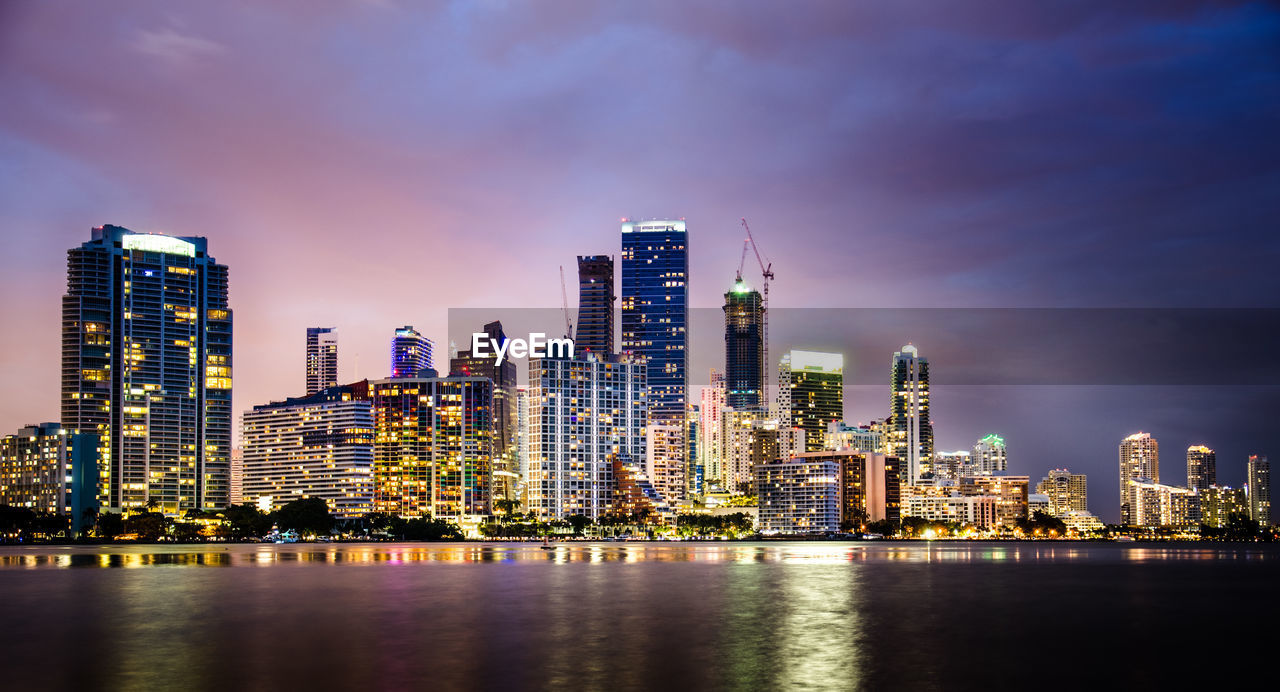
x=619 y=616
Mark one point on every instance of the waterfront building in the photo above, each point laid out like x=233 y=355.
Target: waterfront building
x=1218 y=503
x=655 y=309
x=1068 y=492
x=506 y=467
x=951 y=466
x=814 y=398
x=584 y=414
x=433 y=447
x=1153 y=505
x=237 y=475
x=1037 y=502
x=910 y=429
x=1139 y=459
x=146 y=367
x=595 y=304
x=1082 y=523
x=1011 y=493
x=665 y=463
x=799 y=495
x=1259 y=475
x=749 y=440
x=744 y=347
x=1202 y=467
x=46 y=468
x=411 y=354
x=863 y=437
x=989 y=456
x=320 y=445
x=322 y=358
x=979 y=511
x=711 y=429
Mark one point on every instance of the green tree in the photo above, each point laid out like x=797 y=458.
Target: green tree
x=245 y=521
x=308 y=515
x=579 y=522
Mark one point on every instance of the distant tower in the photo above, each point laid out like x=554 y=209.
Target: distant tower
x=655 y=309
x=1260 y=489
x=815 y=393
x=989 y=456
x=1139 y=459
x=595 y=304
x=1202 y=467
x=410 y=353
x=910 y=429
x=743 y=347
x=322 y=358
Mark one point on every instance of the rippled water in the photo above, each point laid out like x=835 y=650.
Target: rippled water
x=832 y=615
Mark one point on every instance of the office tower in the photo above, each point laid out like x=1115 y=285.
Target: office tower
x=237 y=476
x=410 y=354
x=1259 y=489
x=595 y=304
x=711 y=429
x=861 y=437
x=664 y=461
x=910 y=429
x=433 y=447
x=320 y=445
x=1067 y=492
x=1139 y=459
x=989 y=456
x=322 y=358
x=799 y=495
x=506 y=468
x=814 y=383
x=655 y=309
x=1218 y=503
x=146 y=366
x=45 y=468
x=1151 y=504
x=743 y=347
x=1202 y=467
x=1010 y=492
x=585 y=414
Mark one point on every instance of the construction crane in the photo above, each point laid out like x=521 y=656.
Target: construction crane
x=564 y=298
x=766 y=271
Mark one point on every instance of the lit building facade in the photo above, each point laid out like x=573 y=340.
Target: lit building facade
x=799 y=496
x=1010 y=492
x=506 y=466
x=433 y=447
x=862 y=437
x=322 y=358
x=411 y=354
x=1139 y=460
x=744 y=347
x=910 y=428
x=951 y=466
x=1068 y=492
x=1259 y=474
x=868 y=483
x=664 y=461
x=1202 y=467
x=1218 y=503
x=979 y=511
x=595 y=304
x=711 y=429
x=814 y=383
x=750 y=440
x=655 y=309
x=45 y=468
x=237 y=475
x=319 y=445
x=1154 y=505
x=584 y=414
x=146 y=367
x=989 y=456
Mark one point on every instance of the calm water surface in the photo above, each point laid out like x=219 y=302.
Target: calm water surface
x=831 y=615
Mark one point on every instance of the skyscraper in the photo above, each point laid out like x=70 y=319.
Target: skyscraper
x=1260 y=489
x=910 y=429
x=655 y=309
x=410 y=353
x=322 y=358
x=815 y=393
x=711 y=428
x=46 y=469
x=146 y=366
x=989 y=456
x=1202 y=467
x=743 y=347
x=1068 y=492
x=595 y=304
x=1139 y=460
x=503 y=376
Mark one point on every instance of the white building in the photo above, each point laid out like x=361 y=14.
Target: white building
x=974 y=510
x=861 y=437
x=799 y=496
x=750 y=440
x=664 y=460
x=989 y=456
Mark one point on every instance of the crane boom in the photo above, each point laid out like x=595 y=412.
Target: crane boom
x=564 y=299
x=766 y=272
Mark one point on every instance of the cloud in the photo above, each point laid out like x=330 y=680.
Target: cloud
x=175 y=48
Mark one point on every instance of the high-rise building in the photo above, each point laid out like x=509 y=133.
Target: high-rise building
x=1011 y=493
x=1218 y=503
x=750 y=440
x=664 y=463
x=744 y=347
x=506 y=467
x=1139 y=460
x=798 y=496
x=45 y=468
x=319 y=445
x=411 y=354
x=711 y=428
x=595 y=304
x=585 y=414
x=237 y=475
x=1259 y=489
x=433 y=447
x=655 y=309
x=322 y=358
x=861 y=437
x=1152 y=505
x=989 y=456
x=952 y=466
x=814 y=383
x=910 y=428
x=1067 y=492
x=1202 y=467
x=146 y=366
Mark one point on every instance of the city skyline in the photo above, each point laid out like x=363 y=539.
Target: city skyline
x=991 y=227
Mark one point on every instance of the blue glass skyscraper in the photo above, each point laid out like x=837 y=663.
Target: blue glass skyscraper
x=655 y=309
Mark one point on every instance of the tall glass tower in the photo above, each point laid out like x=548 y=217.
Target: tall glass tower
x=595 y=304
x=655 y=309
x=410 y=353
x=322 y=358
x=910 y=429
x=146 y=365
x=743 y=347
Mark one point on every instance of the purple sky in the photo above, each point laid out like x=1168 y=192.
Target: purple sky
x=365 y=165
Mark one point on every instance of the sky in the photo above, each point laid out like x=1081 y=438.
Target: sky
x=367 y=165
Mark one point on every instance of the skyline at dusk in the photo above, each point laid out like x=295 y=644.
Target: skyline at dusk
x=386 y=166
